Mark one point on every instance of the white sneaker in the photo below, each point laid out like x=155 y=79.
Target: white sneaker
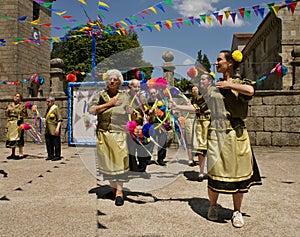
x=237 y=219
x=212 y=213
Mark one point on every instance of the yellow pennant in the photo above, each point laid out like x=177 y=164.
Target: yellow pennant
x=82 y=1
x=103 y=4
x=153 y=9
x=60 y=13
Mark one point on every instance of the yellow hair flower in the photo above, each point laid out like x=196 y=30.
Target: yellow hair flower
x=52 y=115
x=237 y=56
x=212 y=75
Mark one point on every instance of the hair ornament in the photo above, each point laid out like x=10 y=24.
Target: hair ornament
x=237 y=56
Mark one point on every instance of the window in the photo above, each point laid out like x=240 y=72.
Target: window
x=35 y=11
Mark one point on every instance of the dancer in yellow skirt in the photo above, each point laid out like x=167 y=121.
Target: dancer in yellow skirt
x=110 y=106
x=15 y=113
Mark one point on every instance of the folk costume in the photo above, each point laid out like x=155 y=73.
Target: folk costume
x=231 y=164
x=112 y=152
x=15 y=135
x=53 y=142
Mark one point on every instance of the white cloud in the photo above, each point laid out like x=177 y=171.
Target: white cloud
x=188 y=62
x=196 y=8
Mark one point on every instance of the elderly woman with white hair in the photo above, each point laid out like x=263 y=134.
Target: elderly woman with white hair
x=110 y=107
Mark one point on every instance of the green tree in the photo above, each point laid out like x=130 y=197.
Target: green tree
x=122 y=52
x=204 y=61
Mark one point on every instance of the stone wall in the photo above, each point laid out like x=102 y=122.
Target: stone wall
x=274 y=118
x=62 y=102
x=272 y=43
x=20 y=61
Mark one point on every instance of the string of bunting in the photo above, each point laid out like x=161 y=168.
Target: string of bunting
x=126 y=25
x=37 y=79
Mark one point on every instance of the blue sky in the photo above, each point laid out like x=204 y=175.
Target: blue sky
x=186 y=41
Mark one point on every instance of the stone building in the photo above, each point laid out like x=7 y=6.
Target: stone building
x=20 y=61
x=274 y=112
x=272 y=43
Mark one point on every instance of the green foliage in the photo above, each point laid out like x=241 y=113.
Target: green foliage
x=204 y=61
x=183 y=84
x=122 y=52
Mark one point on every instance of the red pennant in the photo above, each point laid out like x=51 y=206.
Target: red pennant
x=242 y=12
x=46 y=24
x=67 y=17
x=293 y=6
x=168 y=26
x=220 y=18
x=179 y=20
x=145 y=12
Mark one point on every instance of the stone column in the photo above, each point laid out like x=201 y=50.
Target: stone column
x=56 y=78
x=168 y=67
x=296 y=67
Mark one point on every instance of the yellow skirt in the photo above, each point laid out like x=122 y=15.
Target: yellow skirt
x=112 y=153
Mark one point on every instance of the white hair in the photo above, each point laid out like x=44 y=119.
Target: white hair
x=115 y=72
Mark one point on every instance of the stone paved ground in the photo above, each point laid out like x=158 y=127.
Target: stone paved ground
x=65 y=198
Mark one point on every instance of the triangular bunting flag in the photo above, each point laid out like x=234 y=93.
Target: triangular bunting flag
x=82 y=1
x=275 y=9
x=233 y=16
x=227 y=14
x=159 y=23
x=103 y=4
x=36 y=22
x=177 y=24
x=216 y=14
x=168 y=26
x=242 y=12
x=179 y=20
x=293 y=7
x=255 y=8
x=160 y=7
x=188 y=22
x=124 y=23
x=153 y=10
x=248 y=14
x=198 y=20
x=288 y=2
x=261 y=12
x=203 y=17
x=169 y=2
x=209 y=20
x=157 y=27
x=191 y=19
x=134 y=18
x=145 y=12
x=169 y=22
x=23 y=18
x=128 y=20
x=149 y=26
x=60 y=13
x=220 y=18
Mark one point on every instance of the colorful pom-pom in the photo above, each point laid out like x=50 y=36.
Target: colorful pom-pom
x=160 y=83
x=160 y=103
x=151 y=82
x=71 y=77
x=192 y=72
x=140 y=75
x=148 y=130
x=167 y=126
x=34 y=77
x=130 y=126
x=25 y=126
x=144 y=85
x=39 y=80
x=28 y=105
x=174 y=91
